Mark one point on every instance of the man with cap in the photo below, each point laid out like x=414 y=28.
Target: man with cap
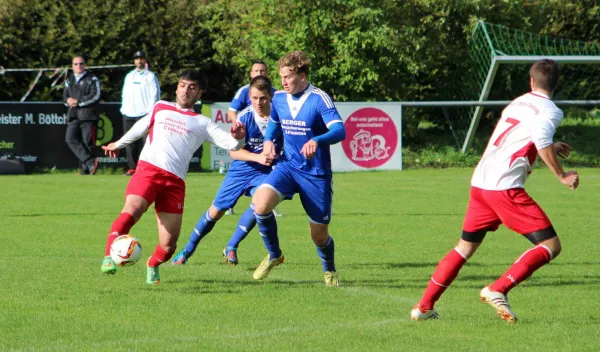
x=141 y=91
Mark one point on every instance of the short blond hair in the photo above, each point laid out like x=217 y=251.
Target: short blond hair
x=297 y=61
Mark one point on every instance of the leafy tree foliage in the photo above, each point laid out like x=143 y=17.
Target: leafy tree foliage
x=361 y=49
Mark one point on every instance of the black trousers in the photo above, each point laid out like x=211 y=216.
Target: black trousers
x=81 y=138
x=134 y=149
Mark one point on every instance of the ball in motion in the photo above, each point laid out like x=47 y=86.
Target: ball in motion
x=125 y=250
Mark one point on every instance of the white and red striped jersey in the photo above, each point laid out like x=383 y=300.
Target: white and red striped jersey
x=174 y=134
x=527 y=125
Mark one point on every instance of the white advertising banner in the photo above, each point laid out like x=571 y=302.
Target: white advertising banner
x=373 y=137
x=219 y=157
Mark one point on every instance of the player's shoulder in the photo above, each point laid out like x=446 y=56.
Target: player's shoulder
x=547 y=107
x=279 y=93
x=321 y=96
x=245 y=114
x=241 y=90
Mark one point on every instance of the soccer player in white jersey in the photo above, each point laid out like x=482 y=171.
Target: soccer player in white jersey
x=310 y=123
x=247 y=172
x=174 y=132
x=525 y=129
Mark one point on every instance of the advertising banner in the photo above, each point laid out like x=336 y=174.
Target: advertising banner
x=219 y=157
x=373 y=137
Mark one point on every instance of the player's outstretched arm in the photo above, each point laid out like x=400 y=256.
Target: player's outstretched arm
x=234 y=140
x=244 y=155
x=550 y=158
x=137 y=131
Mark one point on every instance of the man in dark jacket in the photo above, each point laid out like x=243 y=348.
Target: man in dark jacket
x=81 y=96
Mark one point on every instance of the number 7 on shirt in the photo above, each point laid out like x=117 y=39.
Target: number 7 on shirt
x=513 y=123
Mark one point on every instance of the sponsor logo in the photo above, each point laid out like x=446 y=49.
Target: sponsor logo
x=104 y=132
x=10 y=119
x=7 y=145
x=49 y=119
x=373 y=137
x=222 y=117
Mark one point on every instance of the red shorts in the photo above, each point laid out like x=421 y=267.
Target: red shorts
x=158 y=186
x=513 y=207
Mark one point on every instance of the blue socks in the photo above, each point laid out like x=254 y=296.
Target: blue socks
x=326 y=255
x=204 y=225
x=245 y=225
x=267 y=226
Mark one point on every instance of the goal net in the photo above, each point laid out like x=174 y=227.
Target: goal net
x=501 y=58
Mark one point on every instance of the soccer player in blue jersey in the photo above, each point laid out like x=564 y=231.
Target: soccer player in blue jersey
x=241 y=101
x=247 y=172
x=310 y=123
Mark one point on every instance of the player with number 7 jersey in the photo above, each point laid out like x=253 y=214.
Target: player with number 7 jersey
x=525 y=130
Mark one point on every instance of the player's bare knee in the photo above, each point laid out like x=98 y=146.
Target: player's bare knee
x=319 y=233
x=470 y=241
x=264 y=200
x=215 y=213
x=554 y=245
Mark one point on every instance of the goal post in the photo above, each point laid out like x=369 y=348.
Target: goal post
x=494 y=47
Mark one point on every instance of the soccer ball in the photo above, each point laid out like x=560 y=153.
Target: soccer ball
x=125 y=250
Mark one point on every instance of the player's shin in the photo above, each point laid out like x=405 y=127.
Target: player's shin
x=121 y=226
x=160 y=255
x=204 y=225
x=326 y=253
x=245 y=225
x=445 y=272
x=267 y=226
x=523 y=268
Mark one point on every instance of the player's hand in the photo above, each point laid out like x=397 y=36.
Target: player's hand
x=111 y=150
x=263 y=159
x=309 y=149
x=563 y=150
x=570 y=179
x=238 y=131
x=269 y=150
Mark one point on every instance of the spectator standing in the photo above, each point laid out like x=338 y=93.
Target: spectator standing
x=141 y=90
x=81 y=95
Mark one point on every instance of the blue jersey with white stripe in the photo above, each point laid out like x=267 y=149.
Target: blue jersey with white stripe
x=256 y=127
x=241 y=99
x=303 y=116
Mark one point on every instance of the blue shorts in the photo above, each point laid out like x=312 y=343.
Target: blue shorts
x=236 y=185
x=316 y=192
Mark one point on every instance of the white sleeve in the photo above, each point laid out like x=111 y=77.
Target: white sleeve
x=223 y=139
x=136 y=132
x=544 y=127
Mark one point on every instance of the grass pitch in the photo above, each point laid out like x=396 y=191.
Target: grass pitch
x=390 y=229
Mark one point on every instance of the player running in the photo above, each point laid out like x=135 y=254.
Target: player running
x=310 y=124
x=174 y=132
x=525 y=129
x=247 y=172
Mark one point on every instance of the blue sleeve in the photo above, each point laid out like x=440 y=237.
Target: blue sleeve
x=336 y=133
x=273 y=131
x=328 y=111
x=239 y=102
